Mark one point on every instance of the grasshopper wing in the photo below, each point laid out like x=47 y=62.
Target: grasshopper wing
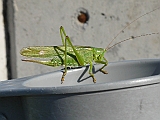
x=42 y=51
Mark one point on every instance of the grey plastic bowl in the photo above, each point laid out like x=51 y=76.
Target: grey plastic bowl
x=130 y=91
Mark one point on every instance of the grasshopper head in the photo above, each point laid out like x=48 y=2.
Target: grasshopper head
x=98 y=54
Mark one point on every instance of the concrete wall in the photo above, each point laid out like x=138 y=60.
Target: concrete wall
x=37 y=22
x=3 y=60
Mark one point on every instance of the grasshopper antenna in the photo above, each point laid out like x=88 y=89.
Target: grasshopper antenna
x=131 y=38
x=126 y=27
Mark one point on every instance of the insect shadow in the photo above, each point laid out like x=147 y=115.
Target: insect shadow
x=81 y=79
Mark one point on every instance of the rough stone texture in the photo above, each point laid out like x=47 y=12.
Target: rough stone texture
x=37 y=22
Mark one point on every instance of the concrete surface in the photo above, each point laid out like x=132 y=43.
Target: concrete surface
x=3 y=64
x=36 y=23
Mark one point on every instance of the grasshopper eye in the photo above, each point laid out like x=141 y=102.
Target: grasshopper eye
x=99 y=57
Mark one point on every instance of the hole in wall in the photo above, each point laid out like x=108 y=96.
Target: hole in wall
x=83 y=17
x=80 y=19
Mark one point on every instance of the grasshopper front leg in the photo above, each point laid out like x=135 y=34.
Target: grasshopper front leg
x=105 y=62
x=91 y=73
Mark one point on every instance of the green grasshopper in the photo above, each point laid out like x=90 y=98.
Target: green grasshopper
x=69 y=55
